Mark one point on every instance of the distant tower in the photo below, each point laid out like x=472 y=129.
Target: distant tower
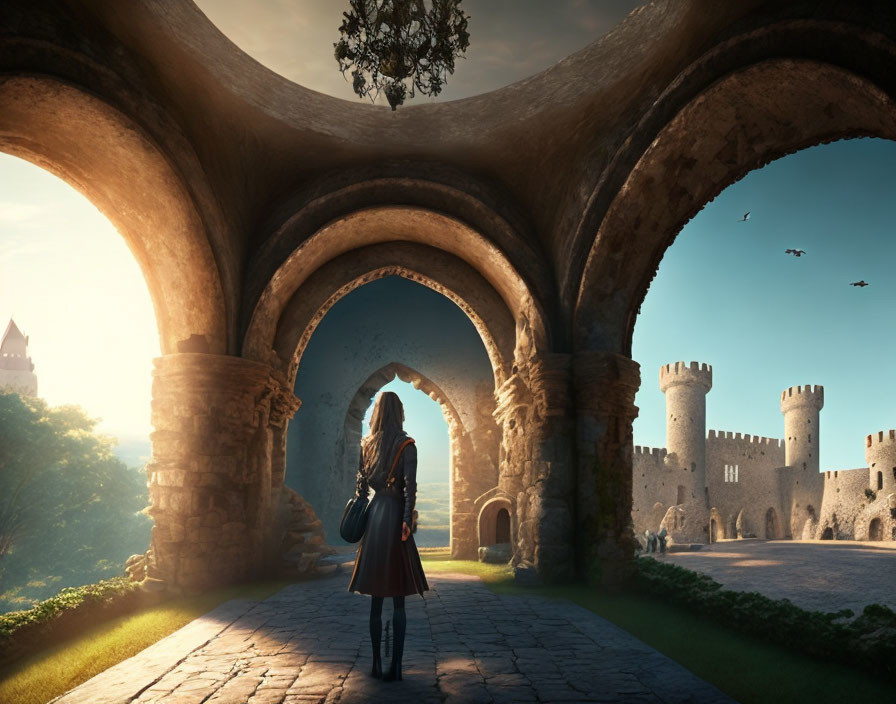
x=686 y=388
x=880 y=454
x=16 y=368
x=801 y=406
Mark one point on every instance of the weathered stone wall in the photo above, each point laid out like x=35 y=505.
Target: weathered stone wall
x=653 y=488
x=214 y=497
x=536 y=462
x=844 y=505
x=854 y=498
x=757 y=488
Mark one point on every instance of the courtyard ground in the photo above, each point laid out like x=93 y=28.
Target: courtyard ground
x=309 y=643
x=819 y=575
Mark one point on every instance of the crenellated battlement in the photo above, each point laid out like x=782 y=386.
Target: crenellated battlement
x=880 y=454
x=883 y=437
x=655 y=452
x=801 y=396
x=680 y=373
x=745 y=438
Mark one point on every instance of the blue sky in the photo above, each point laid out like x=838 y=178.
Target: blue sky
x=727 y=294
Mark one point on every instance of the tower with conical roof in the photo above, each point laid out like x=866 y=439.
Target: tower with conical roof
x=16 y=367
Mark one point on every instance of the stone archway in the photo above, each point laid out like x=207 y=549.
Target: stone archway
x=712 y=125
x=466 y=478
x=875 y=529
x=108 y=157
x=495 y=521
x=716 y=525
x=532 y=399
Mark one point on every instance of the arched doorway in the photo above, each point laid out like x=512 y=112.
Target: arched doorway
x=772 y=526
x=827 y=533
x=421 y=330
x=875 y=529
x=446 y=255
x=502 y=527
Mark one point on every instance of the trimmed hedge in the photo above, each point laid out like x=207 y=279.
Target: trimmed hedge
x=868 y=641
x=23 y=632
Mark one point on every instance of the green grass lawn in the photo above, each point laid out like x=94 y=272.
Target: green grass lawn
x=38 y=679
x=747 y=669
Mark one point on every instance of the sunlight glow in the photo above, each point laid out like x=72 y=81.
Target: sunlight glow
x=75 y=289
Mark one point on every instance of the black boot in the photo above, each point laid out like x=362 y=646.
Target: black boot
x=376 y=628
x=399 y=622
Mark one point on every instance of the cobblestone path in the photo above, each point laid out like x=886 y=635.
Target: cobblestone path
x=822 y=575
x=309 y=643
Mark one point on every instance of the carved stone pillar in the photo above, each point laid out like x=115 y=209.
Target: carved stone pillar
x=536 y=465
x=219 y=423
x=605 y=386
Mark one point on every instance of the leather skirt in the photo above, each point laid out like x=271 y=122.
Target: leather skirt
x=386 y=565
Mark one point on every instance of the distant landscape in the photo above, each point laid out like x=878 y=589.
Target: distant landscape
x=434 y=519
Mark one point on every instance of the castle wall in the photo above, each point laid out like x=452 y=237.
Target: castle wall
x=844 y=504
x=653 y=488
x=20 y=382
x=758 y=486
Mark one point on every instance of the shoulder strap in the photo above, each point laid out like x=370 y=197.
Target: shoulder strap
x=407 y=442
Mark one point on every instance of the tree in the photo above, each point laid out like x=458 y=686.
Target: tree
x=69 y=510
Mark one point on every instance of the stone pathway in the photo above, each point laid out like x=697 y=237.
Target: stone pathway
x=820 y=575
x=309 y=643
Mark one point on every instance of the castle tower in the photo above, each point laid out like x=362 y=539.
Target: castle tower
x=801 y=406
x=16 y=368
x=880 y=454
x=685 y=388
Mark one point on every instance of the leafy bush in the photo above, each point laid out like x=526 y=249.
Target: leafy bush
x=868 y=641
x=69 y=510
x=59 y=616
x=870 y=494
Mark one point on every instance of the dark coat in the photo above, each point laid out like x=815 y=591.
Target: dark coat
x=386 y=565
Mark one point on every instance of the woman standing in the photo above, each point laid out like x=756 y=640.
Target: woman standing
x=388 y=563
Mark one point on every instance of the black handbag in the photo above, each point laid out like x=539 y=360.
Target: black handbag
x=354 y=518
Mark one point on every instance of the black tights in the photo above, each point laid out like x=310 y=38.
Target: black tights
x=399 y=624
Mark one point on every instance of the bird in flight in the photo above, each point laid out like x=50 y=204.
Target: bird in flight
x=860 y=284
x=795 y=252
x=745 y=217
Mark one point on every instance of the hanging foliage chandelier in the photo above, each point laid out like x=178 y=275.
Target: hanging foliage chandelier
x=399 y=46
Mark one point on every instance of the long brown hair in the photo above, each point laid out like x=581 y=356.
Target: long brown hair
x=385 y=426
x=388 y=414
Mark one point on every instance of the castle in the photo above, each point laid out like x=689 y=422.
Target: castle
x=703 y=488
x=16 y=367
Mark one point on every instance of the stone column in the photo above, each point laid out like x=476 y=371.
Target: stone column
x=219 y=423
x=463 y=485
x=605 y=386
x=536 y=464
